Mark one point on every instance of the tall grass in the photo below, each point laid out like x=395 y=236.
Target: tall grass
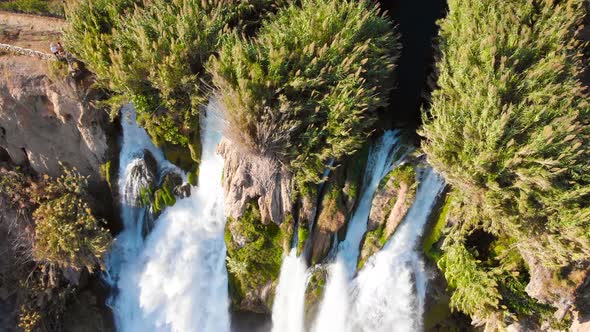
x=509 y=126
x=305 y=90
x=155 y=52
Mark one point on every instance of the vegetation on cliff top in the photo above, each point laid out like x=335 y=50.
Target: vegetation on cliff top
x=66 y=232
x=38 y=7
x=155 y=54
x=305 y=90
x=509 y=130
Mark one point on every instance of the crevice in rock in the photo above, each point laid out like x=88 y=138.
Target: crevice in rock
x=416 y=23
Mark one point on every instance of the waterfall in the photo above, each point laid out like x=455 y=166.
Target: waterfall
x=288 y=307
x=379 y=164
x=176 y=278
x=335 y=303
x=334 y=309
x=132 y=177
x=390 y=291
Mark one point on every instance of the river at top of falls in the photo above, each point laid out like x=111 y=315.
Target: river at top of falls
x=176 y=279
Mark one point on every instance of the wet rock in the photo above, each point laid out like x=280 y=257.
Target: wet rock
x=183 y=191
x=248 y=176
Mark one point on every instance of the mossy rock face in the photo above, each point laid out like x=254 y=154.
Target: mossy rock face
x=340 y=194
x=254 y=258
x=431 y=241
x=315 y=290
x=179 y=156
x=186 y=156
x=393 y=199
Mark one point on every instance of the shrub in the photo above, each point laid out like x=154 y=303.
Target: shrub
x=509 y=122
x=66 y=232
x=475 y=289
x=508 y=129
x=156 y=55
x=306 y=89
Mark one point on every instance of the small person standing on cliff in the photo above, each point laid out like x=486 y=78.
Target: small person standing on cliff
x=54 y=49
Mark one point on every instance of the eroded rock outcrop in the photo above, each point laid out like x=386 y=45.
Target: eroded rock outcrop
x=392 y=200
x=568 y=290
x=248 y=176
x=45 y=119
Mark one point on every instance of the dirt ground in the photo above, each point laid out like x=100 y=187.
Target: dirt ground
x=29 y=31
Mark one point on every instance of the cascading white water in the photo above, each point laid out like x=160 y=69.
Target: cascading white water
x=132 y=177
x=335 y=304
x=390 y=290
x=177 y=280
x=333 y=314
x=288 y=307
x=379 y=164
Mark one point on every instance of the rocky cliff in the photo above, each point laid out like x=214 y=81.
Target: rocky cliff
x=46 y=119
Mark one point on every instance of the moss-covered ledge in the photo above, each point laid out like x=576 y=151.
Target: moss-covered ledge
x=254 y=257
x=394 y=196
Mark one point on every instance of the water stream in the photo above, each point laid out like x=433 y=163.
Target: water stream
x=379 y=164
x=175 y=279
x=390 y=291
x=388 y=294
x=288 y=307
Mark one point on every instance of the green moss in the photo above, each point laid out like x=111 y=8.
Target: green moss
x=373 y=242
x=158 y=198
x=179 y=156
x=436 y=232
x=302 y=235
x=106 y=172
x=315 y=287
x=163 y=197
x=405 y=173
x=192 y=177
x=259 y=260
x=437 y=313
x=355 y=168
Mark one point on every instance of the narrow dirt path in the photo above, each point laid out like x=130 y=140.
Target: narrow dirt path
x=29 y=31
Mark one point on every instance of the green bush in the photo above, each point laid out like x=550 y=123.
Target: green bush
x=156 y=55
x=475 y=288
x=508 y=130
x=66 y=232
x=509 y=122
x=305 y=90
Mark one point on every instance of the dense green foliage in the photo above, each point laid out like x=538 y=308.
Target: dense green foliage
x=38 y=7
x=305 y=90
x=66 y=232
x=509 y=130
x=258 y=260
x=154 y=52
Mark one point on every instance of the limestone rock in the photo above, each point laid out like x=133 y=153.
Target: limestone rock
x=44 y=120
x=247 y=176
